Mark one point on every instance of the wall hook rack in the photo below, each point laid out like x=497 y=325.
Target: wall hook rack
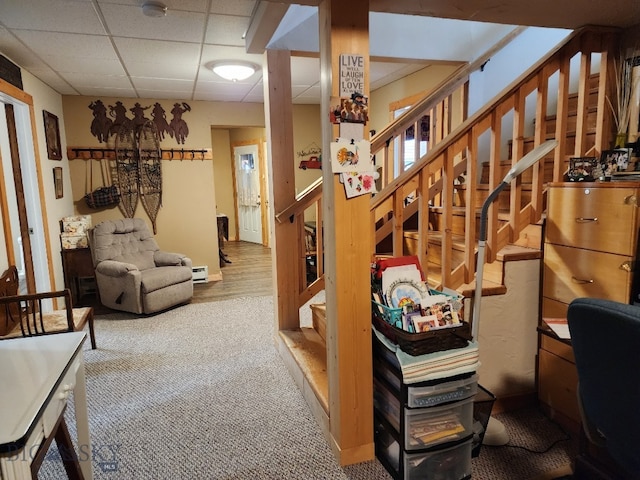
x=99 y=153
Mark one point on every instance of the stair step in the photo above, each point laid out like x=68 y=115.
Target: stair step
x=319 y=319
x=493 y=272
x=489 y=287
x=308 y=355
x=509 y=253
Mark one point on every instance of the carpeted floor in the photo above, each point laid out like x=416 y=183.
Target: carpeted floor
x=200 y=392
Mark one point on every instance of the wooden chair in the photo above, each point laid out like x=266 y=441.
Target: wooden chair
x=23 y=315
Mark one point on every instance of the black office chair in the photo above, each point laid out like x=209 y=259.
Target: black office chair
x=606 y=343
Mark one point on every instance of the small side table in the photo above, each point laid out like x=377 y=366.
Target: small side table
x=79 y=275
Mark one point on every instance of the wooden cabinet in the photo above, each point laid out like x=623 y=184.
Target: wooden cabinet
x=591 y=236
x=79 y=276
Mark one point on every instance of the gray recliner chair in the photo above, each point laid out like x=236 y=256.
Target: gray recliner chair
x=132 y=273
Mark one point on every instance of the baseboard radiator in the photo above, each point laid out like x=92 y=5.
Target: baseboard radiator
x=200 y=274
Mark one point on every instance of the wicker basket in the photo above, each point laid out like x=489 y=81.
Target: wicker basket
x=423 y=342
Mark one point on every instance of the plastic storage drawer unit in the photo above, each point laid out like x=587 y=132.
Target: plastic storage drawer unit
x=453 y=463
x=428 y=427
x=443 y=392
x=386 y=403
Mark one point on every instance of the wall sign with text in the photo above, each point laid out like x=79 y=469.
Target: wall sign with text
x=351 y=74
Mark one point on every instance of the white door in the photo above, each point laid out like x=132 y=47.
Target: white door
x=35 y=245
x=248 y=187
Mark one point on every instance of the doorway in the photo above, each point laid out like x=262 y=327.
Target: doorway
x=247 y=173
x=23 y=222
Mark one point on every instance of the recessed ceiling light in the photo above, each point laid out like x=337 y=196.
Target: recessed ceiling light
x=233 y=70
x=154 y=9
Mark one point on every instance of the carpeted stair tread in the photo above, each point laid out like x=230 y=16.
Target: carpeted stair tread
x=510 y=252
x=467 y=290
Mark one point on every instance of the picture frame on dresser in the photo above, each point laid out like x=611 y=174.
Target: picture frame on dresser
x=615 y=160
x=583 y=169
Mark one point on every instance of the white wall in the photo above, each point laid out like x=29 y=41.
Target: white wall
x=503 y=69
x=507 y=339
x=511 y=62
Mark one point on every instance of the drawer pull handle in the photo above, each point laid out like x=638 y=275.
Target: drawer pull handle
x=586 y=220
x=581 y=280
x=626 y=266
x=631 y=200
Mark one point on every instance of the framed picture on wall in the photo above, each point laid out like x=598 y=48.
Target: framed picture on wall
x=52 y=134
x=57 y=181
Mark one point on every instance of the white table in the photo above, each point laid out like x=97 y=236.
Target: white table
x=37 y=374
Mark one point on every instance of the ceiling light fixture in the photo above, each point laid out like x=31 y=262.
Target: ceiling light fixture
x=233 y=70
x=154 y=9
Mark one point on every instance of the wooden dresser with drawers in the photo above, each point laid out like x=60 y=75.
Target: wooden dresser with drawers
x=590 y=249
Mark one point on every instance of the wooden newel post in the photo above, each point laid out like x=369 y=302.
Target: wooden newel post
x=344 y=32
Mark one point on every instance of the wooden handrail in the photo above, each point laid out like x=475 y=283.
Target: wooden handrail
x=304 y=200
x=445 y=88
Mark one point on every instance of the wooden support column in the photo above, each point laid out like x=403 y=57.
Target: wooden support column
x=279 y=126
x=344 y=29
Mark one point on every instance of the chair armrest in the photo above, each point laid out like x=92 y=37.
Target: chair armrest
x=165 y=259
x=112 y=268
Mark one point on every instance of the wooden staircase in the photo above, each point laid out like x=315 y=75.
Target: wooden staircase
x=448 y=239
x=425 y=210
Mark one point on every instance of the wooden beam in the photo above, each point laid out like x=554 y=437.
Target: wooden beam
x=344 y=29
x=279 y=126
x=264 y=22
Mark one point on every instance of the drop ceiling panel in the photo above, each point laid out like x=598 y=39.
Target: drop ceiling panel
x=164 y=94
x=129 y=21
x=53 y=15
x=160 y=84
x=172 y=5
x=133 y=50
x=211 y=52
x=80 y=80
x=162 y=70
x=46 y=44
x=54 y=80
x=215 y=96
x=223 y=88
x=107 y=92
x=99 y=66
x=226 y=30
x=235 y=7
x=11 y=48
